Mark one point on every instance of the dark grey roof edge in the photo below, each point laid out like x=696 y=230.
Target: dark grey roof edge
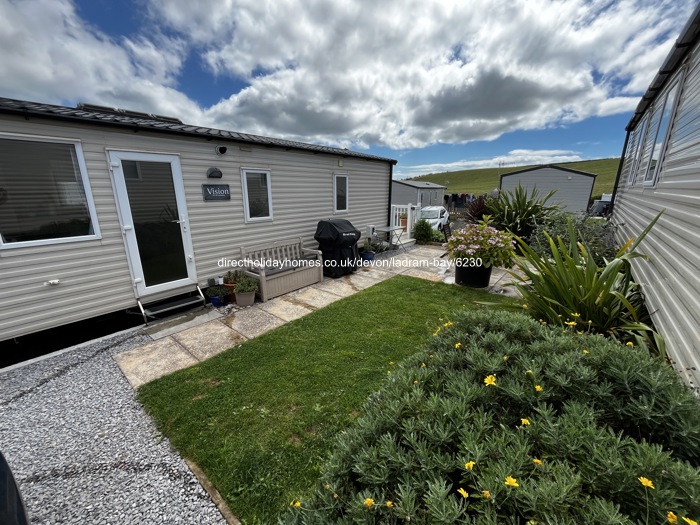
x=683 y=45
x=419 y=184
x=553 y=166
x=29 y=109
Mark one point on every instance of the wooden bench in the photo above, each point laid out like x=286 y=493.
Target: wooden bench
x=282 y=266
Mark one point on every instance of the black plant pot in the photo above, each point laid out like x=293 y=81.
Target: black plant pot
x=473 y=276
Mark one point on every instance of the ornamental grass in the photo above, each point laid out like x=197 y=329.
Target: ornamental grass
x=461 y=433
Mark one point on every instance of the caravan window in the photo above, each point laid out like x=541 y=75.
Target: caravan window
x=660 y=137
x=340 y=193
x=45 y=195
x=257 y=195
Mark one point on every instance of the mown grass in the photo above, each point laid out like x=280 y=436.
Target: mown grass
x=486 y=179
x=260 y=418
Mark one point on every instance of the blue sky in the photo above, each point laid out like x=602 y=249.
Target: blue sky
x=436 y=84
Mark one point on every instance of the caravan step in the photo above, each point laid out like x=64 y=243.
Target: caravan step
x=151 y=311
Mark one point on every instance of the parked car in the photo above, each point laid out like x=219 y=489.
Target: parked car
x=437 y=216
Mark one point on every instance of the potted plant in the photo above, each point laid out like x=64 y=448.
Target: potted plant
x=218 y=295
x=245 y=290
x=403 y=218
x=231 y=278
x=476 y=249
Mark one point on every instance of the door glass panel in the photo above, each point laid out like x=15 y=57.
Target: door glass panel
x=155 y=216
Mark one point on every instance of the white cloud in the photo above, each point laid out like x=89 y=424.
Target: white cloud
x=353 y=73
x=51 y=55
x=516 y=157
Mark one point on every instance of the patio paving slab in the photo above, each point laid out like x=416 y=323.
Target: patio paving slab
x=336 y=286
x=160 y=329
x=153 y=360
x=285 y=309
x=314 y=296
x=207 y=340
x=360 y=282
x=251 y=322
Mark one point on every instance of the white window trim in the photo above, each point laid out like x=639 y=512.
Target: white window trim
x=637 y=153
x=244 y=186
x=335 y=192
x=650 y=182
x=97 y=234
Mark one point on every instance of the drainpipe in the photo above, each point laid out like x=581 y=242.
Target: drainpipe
x=619 y=173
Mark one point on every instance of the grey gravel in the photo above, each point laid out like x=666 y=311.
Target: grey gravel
x=84 y=451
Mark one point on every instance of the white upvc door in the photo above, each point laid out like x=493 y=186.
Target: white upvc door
x=151 y=200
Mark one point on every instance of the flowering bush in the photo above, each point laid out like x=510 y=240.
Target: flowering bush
x=501 y=420
x=481 y=241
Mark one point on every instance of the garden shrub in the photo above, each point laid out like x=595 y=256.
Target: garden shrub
x=502 y=420
x=422 y=232
x=567 y=287
x=597 y=235
x=476 y=209
x=519 y=211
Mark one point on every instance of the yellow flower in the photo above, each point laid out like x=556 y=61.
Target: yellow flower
x=388 y=371
x=579 y=332
x=575 y=314
x=505 y=358
x=369 y=502
x=469 y=465
x=511 y=482
x=524 y=422
x=422 y=365
x=430 y=356
x=327 y=486
x=390 y=504
x=490 y=380
x=671 y=517
x=486 y=494
x=629 y=343
x=295 y=504
x=458 y=345
x=537 y=462
x=335 y=496
x=463 y=492
x=689 y=521
x=585 y=352
x=570 y=323
x=415 y=382
x=525 y=306
x=448 y=323
x=646 y=482
x=538 y=388
x=391 y=362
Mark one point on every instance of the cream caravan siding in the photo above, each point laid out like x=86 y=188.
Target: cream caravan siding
x=573 y=190
x=94 y=275
x=671 y=276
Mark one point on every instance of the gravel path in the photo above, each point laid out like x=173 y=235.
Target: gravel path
x=83 y=450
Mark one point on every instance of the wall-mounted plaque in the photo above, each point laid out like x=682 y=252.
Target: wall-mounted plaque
x=216 y=192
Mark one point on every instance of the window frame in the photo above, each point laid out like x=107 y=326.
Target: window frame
x=82 y=168
x=650 y=181
x=636 y=146
x=246 y=203
x=336 y=176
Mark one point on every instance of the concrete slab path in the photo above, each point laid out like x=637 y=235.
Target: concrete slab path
x=196 y=336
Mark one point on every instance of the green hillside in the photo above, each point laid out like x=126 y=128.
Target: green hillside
x=486 y=179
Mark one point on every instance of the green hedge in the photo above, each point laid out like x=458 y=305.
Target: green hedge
x=504 y=421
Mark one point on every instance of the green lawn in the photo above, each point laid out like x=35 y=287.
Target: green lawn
x=260 y=418
x=485 y=180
